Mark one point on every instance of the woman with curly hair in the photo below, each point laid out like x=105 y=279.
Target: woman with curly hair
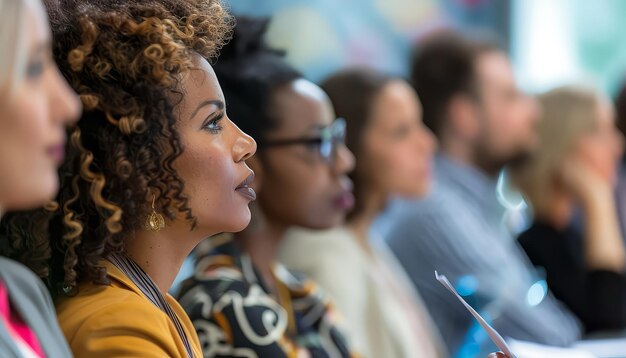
x=241 y=300
x=154 y=166
x=35 y=106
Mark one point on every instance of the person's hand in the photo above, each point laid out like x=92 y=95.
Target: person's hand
x=603 y=246
x=497 y=355
x=583 y=182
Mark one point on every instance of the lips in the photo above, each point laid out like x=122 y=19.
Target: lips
x=56 y=153
x=345 y=200
x=245 y=190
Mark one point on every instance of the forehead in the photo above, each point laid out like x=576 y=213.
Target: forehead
x=494 y=68
x=199 y=84
x=37 y=22
x=395 y=93
x=201 y=80
x=301 y=107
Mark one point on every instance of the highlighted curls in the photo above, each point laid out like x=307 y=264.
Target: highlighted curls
x=124 y=58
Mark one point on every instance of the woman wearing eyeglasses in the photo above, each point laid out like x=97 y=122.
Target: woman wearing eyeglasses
x=384 y=316
x=242 y=302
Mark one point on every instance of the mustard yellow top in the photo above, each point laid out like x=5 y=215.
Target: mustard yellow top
x=119 y=321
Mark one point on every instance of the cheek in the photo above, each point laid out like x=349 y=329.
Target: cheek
x=300 y=194
x=609 y=161
x=28 y=171
x=510 y=125
x=293 y=187
x=403 y=169
x=210 y=178
x=601 y=158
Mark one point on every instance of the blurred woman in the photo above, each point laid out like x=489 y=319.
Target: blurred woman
x=572 y=174
x=241 y=301
x=394 y=150
x=154 y=166
x=35 y=106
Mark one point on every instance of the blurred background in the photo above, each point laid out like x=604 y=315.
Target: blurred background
x=551 y=42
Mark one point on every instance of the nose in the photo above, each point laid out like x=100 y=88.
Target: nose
x=244 y=146
x=344 y=162
x=534 y=110
x=428 y=141
x=64 y=103
x=620 y=143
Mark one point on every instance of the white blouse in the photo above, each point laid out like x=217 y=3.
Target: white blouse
x=384 y=316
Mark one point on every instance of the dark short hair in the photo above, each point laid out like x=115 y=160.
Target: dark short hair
x=442 y=67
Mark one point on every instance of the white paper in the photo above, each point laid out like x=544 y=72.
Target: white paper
x=533 y=350
x=496 y=338
x=604 y=348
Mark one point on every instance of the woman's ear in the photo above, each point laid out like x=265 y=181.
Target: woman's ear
x=256 y=164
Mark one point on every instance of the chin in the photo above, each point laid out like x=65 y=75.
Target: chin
x=39 y=195
x=326 y=223
x=418 y=192
x=425 y=190
x=240 y=222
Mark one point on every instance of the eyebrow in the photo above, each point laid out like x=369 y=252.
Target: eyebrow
x=216 y=102
x=39 y=49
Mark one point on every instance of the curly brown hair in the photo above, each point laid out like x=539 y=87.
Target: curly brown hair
x=124 y=59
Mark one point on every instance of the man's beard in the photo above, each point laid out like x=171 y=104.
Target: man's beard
x=492 y=163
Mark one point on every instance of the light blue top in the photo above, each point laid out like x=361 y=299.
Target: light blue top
x=458 y=230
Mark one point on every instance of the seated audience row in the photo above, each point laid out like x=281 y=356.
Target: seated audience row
x=347 y=189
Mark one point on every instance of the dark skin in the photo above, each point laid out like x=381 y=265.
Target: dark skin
x=212 y=165
x=294 y=185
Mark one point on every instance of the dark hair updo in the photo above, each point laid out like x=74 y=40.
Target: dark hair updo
x=248 y=71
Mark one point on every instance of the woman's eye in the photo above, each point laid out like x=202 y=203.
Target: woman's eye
x=401 y=132
x=34 y=70
x=314 y=146
x=213 y=125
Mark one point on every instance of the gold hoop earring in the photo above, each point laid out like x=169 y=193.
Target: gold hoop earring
x=155 y=221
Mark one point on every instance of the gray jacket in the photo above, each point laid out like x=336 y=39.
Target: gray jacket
x=30 y=298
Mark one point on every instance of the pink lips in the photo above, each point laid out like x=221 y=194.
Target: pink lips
x=344 y=201
x=57 y=153
x=245 y=190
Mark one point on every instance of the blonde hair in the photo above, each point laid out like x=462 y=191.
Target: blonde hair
x=567 y=114
x=13 y=49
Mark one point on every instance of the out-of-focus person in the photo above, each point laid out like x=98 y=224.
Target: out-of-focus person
x=575 y=168
x=620 y=190
x=241 y=300
x=385 y=317
x=36 y=104
x=483 y=122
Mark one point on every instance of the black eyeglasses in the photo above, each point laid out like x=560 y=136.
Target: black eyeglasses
x=330 y=139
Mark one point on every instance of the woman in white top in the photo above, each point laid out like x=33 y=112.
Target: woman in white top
x=384 y=316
